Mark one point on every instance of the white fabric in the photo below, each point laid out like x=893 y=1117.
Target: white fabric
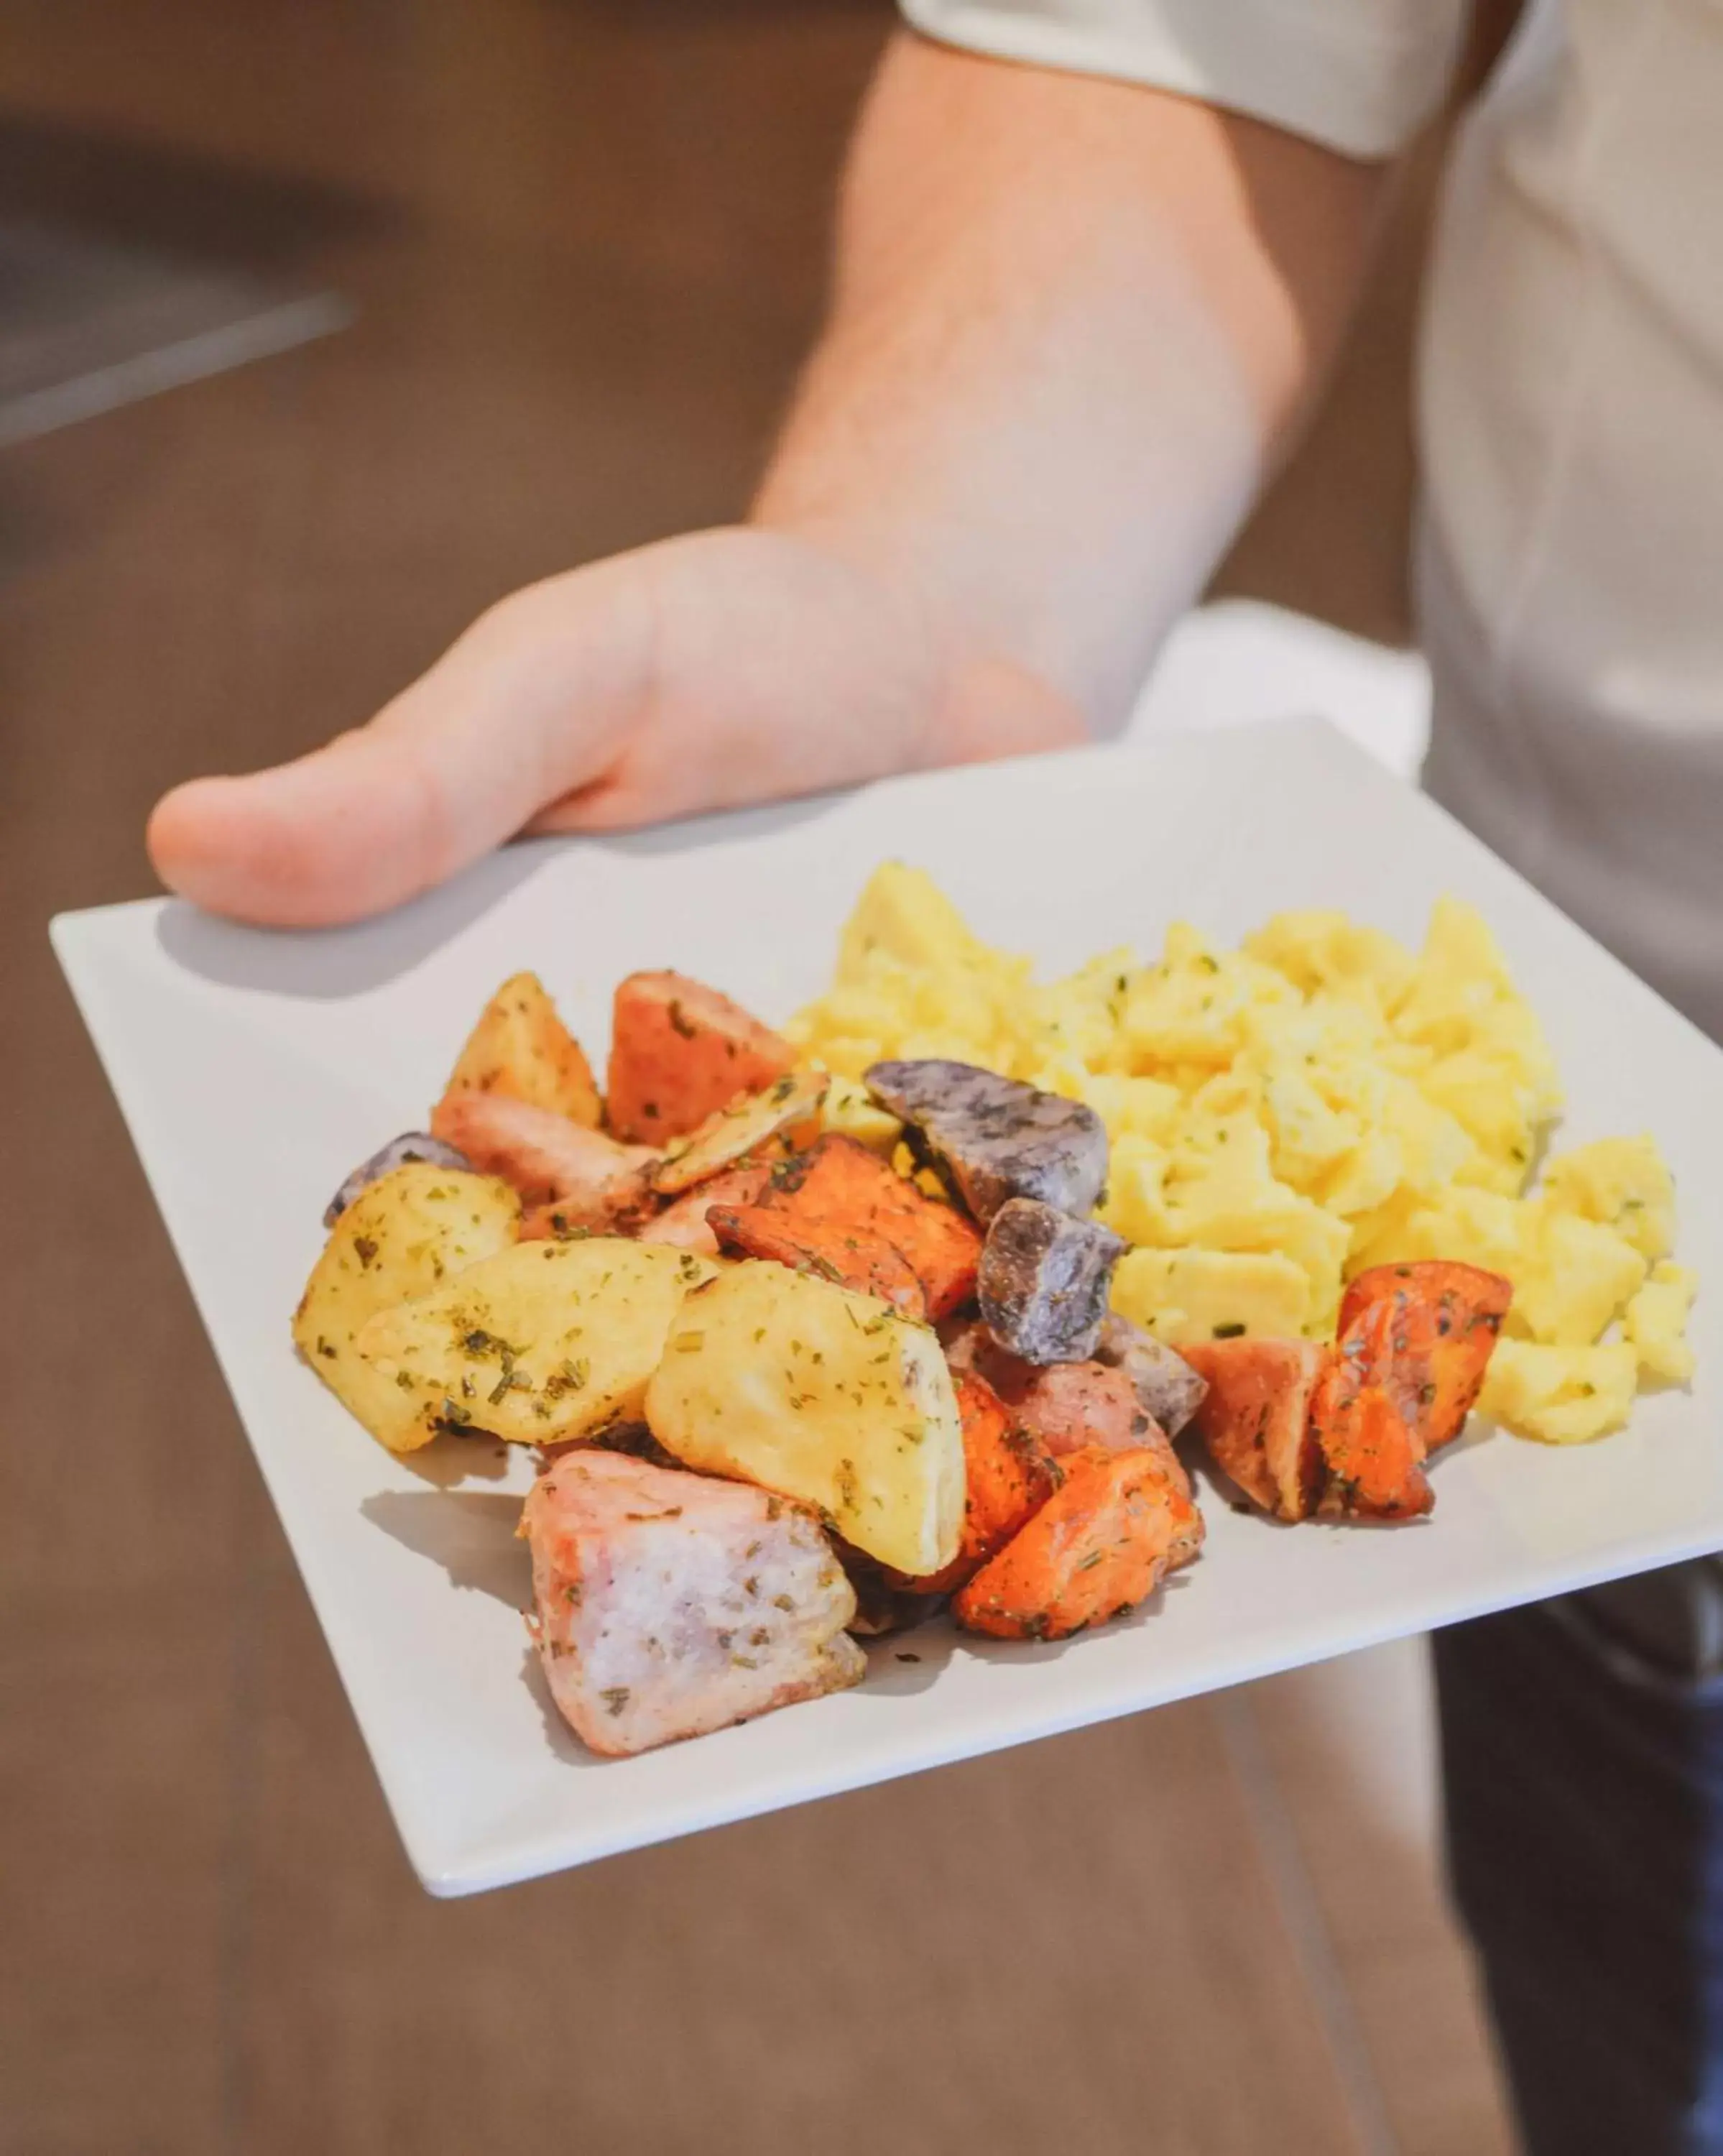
x=1572 y=408
x=1572 y=421
x=1237 y=663
x=1358 y=75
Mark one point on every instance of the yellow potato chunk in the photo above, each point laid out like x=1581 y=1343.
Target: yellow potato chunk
x=542 y=1343
x=822 y=1395
x=521 y=1048
x=1213 y=1295
x=741 y=1129
x=852 y=1111
x=1560 y=1395
x=1655 y=1324
x=403 y=1236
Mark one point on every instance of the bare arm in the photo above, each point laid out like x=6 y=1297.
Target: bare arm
x=1073 y=323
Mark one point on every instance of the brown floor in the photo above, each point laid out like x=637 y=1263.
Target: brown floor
x=584 y=239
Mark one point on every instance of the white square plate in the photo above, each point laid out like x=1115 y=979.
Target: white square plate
x=255 y=1069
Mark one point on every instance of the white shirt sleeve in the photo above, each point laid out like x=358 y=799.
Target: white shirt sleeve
x=1360 y=76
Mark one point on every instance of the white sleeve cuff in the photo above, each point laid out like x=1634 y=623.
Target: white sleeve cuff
x=1361 y=76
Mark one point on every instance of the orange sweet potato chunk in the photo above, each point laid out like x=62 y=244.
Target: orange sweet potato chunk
x=1009 y=1476
x=1099 y=1545
x=1371 y=1452
x=1447 y=1317
x=842 y=1211
x=680 y=1051
x=1256 y=1419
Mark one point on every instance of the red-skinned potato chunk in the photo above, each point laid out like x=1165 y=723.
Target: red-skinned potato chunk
x=1099 y=1545
x=679 y=1051
x=587 y=1177
x=1447 y=1319
x=668 y=1605
x=1066 y=1406
x=683 y=1224
x=841 y=1211
x=1371 y=1452
x=1008 y=1476
x=1256 y=1419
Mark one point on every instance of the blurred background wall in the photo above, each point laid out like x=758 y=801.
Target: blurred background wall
x=518 y=282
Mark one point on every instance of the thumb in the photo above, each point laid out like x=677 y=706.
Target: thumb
x=530 y=705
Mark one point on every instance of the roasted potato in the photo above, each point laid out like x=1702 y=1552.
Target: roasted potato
x=1099 y=1545
x=1367 y=1428
x=821 y=1394
x=1447 y=1318
x=1009 y=1474
x=840 y=1211
x=743 y=1126
x=520 y=1049
x=1256 y=1419
x=402 y=1236
x=679 y=1051
x=684 y=1222
x=541 y=1343
x=552 y=1161
x=411 y=1145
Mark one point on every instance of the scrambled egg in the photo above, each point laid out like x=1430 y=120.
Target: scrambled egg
x=1283 y=1115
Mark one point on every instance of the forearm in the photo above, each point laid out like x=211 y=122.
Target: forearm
x=1074 y=324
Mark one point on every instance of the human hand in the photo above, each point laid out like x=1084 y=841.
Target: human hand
x=727 y=667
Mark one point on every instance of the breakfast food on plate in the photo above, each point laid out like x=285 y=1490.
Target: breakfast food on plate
x=821 y=1394
x=540 y=1344
x=400 y=1237
x=995 y=1139
x=1043 y=1281
x=1166 y=1386
x=667 y=1604
x=410 y=1146
x=679 y=1053
x=552 y=1161
x=751 y=1125
x=1008 y=1474
x=521 y=1049
x=818 y=1333
x=843 y=1212
x=1256 y=1419
x=1065 y=1406
x=1100 y=1544
x=1282 y=1116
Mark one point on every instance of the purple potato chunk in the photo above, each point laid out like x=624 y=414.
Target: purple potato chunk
x=1167 y=1387
x=881 y=1605
x=996 y=1138
x=411 y=1145
x=1045 y=1280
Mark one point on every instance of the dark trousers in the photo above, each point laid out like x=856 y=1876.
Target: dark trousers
x=1582 y=1755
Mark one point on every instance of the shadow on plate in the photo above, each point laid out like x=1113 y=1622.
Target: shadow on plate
x=449 y=1461
x=328 y=964
x=470 y=1532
